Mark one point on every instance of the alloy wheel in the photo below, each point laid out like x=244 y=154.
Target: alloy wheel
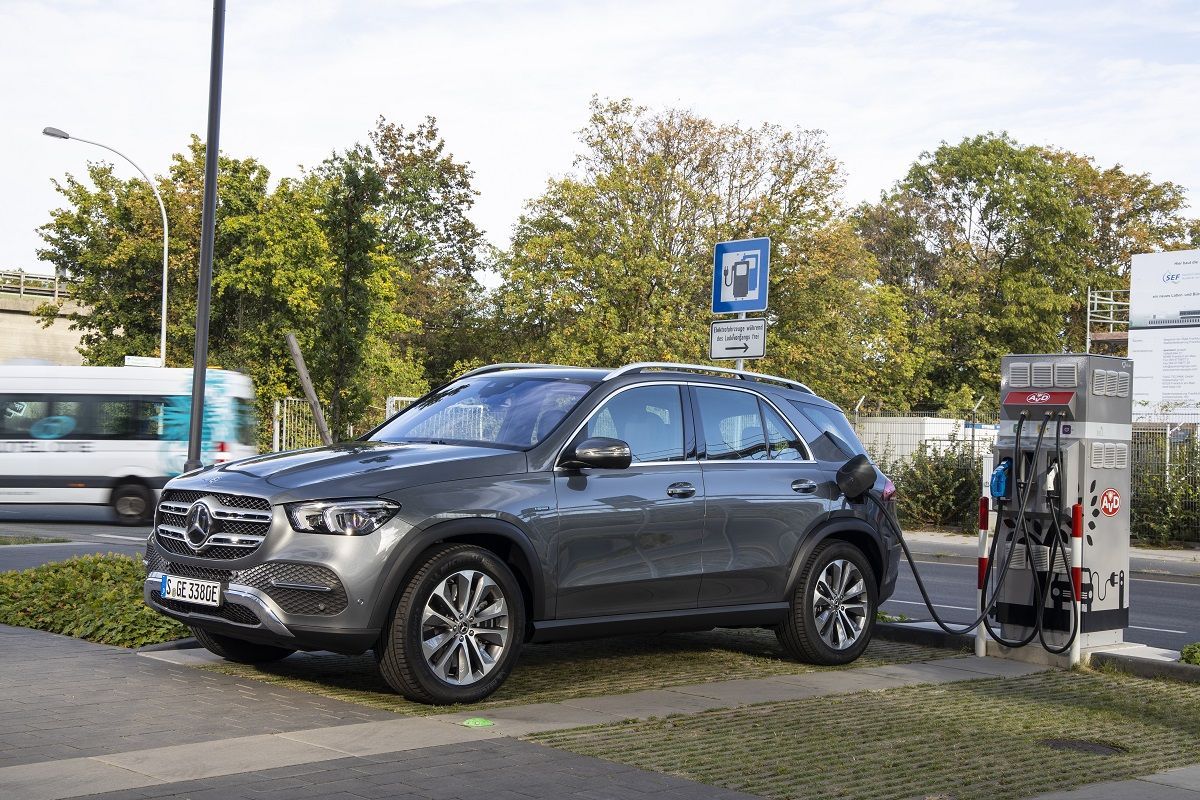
x=464 y=627
x=840 y=604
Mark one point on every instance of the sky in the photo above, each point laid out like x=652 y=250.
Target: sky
x=510 y=80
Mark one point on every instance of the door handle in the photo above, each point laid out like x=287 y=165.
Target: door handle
x=804 y=486
x=682 y=489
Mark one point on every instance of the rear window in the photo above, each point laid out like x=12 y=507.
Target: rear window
x=831 y=437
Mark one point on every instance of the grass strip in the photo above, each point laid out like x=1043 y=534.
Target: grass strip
x=6 y=539
x=93 y=597
x=548 y=673
x=976 y=739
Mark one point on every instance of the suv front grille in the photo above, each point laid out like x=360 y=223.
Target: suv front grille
x=238 y=524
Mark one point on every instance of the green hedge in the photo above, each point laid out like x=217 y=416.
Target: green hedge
x=937 y=486
x=1190 y=654
x=97 y=598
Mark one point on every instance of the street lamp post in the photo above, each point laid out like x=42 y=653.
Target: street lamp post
x=55 y=133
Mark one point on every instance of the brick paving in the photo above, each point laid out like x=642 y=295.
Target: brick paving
x=65 y=698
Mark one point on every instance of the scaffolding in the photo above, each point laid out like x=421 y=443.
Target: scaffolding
x=1108 y=320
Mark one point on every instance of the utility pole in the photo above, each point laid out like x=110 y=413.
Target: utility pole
x=208 y=224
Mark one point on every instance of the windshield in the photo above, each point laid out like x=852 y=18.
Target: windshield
x=509 y=411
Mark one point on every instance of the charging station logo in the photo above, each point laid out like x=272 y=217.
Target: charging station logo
x=1038 y=398
x=1110 y=502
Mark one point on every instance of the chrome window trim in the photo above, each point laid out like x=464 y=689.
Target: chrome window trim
x=696 y=461
x=596 y=410
x=786 y=421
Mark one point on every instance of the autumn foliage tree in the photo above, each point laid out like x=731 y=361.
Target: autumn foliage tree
x=613 y=262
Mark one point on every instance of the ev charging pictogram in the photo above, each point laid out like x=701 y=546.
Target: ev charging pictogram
x=740 y=270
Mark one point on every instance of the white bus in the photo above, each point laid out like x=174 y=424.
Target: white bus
x=112 y=435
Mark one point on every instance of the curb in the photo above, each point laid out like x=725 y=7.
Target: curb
x=911 y=633
x=1145 y=668
x=178 y=644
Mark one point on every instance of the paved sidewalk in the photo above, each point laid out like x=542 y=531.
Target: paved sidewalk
x=961 y=548
x=78 y=719
x=1175 y=784
x=81 y=719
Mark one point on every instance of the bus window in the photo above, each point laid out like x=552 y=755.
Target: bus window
x=113 y=418
x=20 y=416
x=148 y=424
x=247 y=422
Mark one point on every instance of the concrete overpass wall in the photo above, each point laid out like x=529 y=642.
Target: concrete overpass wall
x=22 y=334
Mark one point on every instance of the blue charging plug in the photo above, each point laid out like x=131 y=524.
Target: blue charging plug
x=1000 y=479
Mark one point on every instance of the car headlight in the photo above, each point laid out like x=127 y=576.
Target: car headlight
x=342 y=517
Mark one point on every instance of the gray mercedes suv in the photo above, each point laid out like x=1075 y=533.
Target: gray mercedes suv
x=534 y=503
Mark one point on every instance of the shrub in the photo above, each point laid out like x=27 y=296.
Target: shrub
x=97 y=598
x=1164 y=508
x=1190 y=654
x=938 y=486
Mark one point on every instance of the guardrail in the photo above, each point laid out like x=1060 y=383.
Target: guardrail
x=28 y=283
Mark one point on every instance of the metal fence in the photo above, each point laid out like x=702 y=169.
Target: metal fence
x=26 y=283
x=894 y=437
x=293 y=426
x=1165 y=460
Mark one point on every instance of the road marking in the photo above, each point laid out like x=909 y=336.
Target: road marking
x=1160 y=630
x=1135 y=580
x=118 y=536
x=1169 y=583
x=939 y=605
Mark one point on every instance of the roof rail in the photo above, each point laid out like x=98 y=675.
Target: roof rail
x=740 y=373
x=502 y=367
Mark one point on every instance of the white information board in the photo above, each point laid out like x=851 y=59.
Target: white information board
x=1164 y=330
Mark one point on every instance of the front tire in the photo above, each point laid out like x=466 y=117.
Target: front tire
x=238 y=650
x=455 y=630
x=133 y=504
x=832 y=612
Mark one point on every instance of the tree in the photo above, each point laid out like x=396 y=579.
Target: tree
x=109 y=239
x=993 y=246
x=613 y=262
x=424 y=226
x=308 y=258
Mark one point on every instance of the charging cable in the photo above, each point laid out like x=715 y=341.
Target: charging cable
x=1024 y=502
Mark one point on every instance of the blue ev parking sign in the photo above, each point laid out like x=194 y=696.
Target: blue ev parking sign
x=740 y=276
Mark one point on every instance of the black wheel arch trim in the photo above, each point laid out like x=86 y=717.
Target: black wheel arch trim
x=832 y=527
x=418 y=541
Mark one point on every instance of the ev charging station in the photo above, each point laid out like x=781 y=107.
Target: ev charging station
x=1055 y=568
x=1061 y=494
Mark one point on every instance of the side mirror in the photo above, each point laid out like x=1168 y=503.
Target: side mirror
x=856 y=476
x=599 y=452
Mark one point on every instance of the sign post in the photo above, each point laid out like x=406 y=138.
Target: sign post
x=740 y=270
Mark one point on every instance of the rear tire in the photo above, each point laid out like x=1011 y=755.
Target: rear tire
x=832 y=612
x=238 y=650
x=133 y=504
x=456 y=629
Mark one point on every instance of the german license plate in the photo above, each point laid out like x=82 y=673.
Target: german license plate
x=188 y=590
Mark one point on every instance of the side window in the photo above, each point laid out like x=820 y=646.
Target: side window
x=732 y=425
x=23 y=418
x=114 y=418
x=150 y=416
x=649 y=419
x=832 y=438
x=782 y=442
